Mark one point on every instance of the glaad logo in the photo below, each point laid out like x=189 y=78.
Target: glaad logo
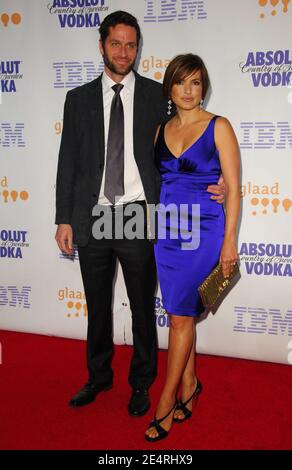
x=272 y=3
x=265 y=135
x=12 y=296
x=270 y=68
x=78 y=13
x=12 y=243
x=74 y=301
x=11 y=196
x=73 y=74
x=9 y=74
x=11 y=135
x=162 y=319
x=170 y=10
x=58 y=126
x=15 y=19
x=259 y=320
x=265 y=199
x=154 y=66
x=268 y=259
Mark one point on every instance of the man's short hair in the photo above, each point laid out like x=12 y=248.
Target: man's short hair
x=115 y=18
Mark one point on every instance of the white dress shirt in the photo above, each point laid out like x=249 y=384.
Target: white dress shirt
x=134 y=190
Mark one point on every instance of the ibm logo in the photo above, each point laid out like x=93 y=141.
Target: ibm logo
x=170 y=10
x=73 y=74
x=10 y=296
x=73 y=257
x=266 y=135
x=11 y=136
x=263 y=321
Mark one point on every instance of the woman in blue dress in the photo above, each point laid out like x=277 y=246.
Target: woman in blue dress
x=192 y=150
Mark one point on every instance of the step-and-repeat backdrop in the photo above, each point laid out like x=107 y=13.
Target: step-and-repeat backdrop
x=48 y=47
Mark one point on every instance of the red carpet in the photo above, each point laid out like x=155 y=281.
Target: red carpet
x=244 y=404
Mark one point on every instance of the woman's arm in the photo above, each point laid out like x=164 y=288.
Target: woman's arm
x=227 y=146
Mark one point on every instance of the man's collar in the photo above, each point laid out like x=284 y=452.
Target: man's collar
x=128 y=81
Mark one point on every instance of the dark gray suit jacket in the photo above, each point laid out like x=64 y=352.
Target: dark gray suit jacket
x=81 y=156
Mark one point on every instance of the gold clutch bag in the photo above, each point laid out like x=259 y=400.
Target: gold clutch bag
x=215 y=286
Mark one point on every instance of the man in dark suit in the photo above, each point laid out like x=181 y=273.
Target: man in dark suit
x=107 y=158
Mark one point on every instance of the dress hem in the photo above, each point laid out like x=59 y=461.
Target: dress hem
x=181 y=312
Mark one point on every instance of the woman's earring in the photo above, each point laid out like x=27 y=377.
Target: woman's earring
x=169 y=107
x=201 y=104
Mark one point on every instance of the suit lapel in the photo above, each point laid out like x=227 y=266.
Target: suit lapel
x=139 y=110
x=95 y=104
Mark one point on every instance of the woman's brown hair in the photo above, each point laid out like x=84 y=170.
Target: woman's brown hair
x=183 y=66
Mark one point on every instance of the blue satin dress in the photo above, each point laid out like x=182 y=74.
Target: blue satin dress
x=184 y=183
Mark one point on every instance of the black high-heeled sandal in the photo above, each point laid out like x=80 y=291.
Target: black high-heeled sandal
x=162 y=433
x=181 y=406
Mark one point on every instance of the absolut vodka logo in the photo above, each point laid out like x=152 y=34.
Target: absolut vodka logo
x=10 y=73
x=266 y=259
x=268 y=68
x=12 y=243
x=78 y=13
x=162 y=318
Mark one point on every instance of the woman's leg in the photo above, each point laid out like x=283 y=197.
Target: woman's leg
x=181 y=340
x=189 y=379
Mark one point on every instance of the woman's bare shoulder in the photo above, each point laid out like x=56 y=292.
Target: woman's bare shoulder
x=223 y=124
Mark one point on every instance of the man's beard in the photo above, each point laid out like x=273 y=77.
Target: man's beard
x=110 y=65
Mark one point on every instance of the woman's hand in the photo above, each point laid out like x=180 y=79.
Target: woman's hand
x=228 y=257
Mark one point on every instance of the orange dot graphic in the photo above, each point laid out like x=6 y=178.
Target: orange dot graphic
x=262 y=3
x=70 y=304
x=274 y=2
x=275 y=204
x=254 y=202
x=78 y=305
x=16 y=18
x=5 y=195
x=5 y=19
x=287 y=203
x=23 y=195
x=265 y=202
x=285 y=5
x=158 y=75
x=274 y=12
x=14 y=195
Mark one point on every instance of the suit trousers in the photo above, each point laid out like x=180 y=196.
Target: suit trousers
x=98 y=267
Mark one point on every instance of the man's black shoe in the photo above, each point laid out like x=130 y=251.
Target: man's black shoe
x=88 y=393
x=139 y=403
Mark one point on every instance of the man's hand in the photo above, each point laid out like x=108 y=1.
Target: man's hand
x=218 y=191
x=64 y=238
